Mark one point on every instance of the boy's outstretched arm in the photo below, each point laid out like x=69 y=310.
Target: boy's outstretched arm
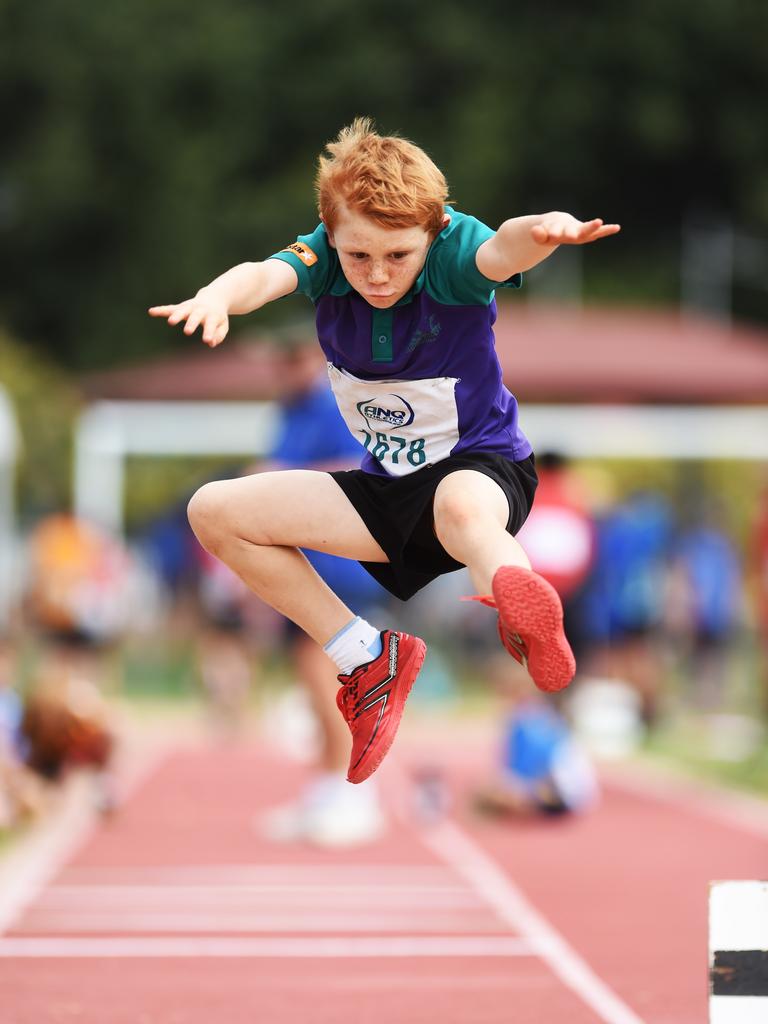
x=242 y=289
x=522 y=242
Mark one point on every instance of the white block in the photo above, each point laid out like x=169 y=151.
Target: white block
x=738 y=918
x=738 y=1010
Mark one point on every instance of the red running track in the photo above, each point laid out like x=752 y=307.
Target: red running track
x=177 y=912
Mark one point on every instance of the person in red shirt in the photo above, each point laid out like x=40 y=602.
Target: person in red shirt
x=559 y=537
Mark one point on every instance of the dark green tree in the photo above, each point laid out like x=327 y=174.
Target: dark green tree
x=149 y=144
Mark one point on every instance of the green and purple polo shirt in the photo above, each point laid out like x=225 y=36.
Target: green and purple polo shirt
x=419 y=381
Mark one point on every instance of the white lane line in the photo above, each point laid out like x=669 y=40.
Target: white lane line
x=471 y=862
x=30 y=865
x=39 y=856
x=403 y=877
x=143 y=923
x=79 y=897
x=361 y=948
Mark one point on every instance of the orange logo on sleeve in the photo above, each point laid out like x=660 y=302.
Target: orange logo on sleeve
x=305 y=254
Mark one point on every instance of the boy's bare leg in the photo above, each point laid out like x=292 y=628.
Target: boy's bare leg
x=471 y=513
x=318 y=674
x=256 y=524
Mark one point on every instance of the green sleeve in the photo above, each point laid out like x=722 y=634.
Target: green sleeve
x=452 y=274
x=314 y=261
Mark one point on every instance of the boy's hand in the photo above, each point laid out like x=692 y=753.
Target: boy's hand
x=203 y=309
x=523 y=242
x=563 y=229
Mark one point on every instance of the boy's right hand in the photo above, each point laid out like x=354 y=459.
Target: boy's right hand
x=204 y=309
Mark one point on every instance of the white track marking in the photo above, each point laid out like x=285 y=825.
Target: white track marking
x=455 y=848
x=326 y=947
x=492 y=979
x=36 y=859
x=347 y=876
x=236 y=909
x=85 y=897
x=148 y=923
x=31 y=864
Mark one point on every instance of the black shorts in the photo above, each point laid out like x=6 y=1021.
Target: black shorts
x=398 y=513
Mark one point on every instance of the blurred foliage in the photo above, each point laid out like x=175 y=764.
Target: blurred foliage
x=159 y=672
x=691 y=742
x=156 y=486
x=149 y=144
x=45 y=403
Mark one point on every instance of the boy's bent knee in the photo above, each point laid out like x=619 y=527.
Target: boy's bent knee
x=458 y=509
x=225 y=510
x=455 y=508
x=205 y=512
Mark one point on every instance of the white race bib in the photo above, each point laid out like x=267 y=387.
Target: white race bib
x=404 y=424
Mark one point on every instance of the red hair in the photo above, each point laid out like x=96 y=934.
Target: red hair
x=386 y=178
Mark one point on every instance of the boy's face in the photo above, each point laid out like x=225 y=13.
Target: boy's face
x=380 y=263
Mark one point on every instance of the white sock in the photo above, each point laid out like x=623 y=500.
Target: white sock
x=357 y=643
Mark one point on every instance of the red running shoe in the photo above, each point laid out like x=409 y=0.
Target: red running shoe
x=531 y=626
x=372 y=699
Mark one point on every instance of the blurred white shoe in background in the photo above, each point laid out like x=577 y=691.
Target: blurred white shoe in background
x=331 y=812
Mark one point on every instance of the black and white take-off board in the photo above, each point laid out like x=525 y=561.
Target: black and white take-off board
x=738 y=952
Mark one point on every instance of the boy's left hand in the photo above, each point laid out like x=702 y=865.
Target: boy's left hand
x=563 y=229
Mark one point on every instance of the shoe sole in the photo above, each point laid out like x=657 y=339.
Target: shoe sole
x=530 y=606
x=376 y=754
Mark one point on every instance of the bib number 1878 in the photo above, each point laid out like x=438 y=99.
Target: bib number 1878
x=390 y=446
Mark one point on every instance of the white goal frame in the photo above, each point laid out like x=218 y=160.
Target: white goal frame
x=108 y=432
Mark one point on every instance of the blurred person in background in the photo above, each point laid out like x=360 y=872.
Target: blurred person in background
x=81 y=593
x=20 y=796
x=559 y=538
x=313 y=435
x=623 y=601
x=211 y=609
x=171 y=551
x=81 y=596
x=66 y=726
x=706 y=599
x=541 y=769
x=11 y=706
x=228 y=640
x=78 y=582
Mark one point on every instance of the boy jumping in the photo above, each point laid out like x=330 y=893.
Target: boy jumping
x=403 y=288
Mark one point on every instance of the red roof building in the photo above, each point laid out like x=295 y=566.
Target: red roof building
x=549 y=354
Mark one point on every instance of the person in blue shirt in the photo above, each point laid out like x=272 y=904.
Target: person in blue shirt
x=403 y=287
x=541 y=768
x=709 y=576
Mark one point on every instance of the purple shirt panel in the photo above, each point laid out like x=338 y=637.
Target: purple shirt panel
x=431 y=339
